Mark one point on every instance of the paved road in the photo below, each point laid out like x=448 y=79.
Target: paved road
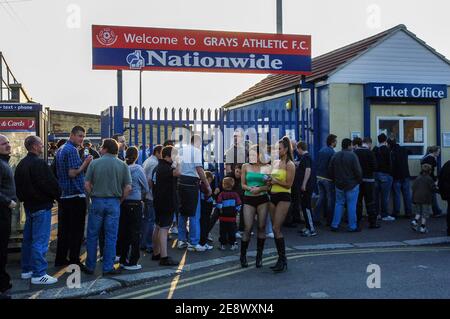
x=406 y=272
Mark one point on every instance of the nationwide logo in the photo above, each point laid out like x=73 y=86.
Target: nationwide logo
x=107 y=36
x=136 y=60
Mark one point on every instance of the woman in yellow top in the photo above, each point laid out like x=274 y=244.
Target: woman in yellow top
x=254 y=176
x=282 y=178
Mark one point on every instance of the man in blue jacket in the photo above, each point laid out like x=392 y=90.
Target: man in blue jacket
x=324 y=183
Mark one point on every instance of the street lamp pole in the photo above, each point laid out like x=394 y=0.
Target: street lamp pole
x=140 y=93
x=279 y=16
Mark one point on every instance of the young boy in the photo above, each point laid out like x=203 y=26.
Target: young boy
x=423 y=188
x=206 y=206
x=229 y=204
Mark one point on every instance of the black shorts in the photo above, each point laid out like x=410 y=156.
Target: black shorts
x=255 y=201
x=163 y=219
x=275 y=198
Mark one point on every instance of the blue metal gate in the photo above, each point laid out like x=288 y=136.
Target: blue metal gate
x=148 y=127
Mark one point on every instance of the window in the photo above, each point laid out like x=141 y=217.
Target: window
x=410 y=132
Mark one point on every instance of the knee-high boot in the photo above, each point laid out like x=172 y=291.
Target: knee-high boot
x=244 y=247
x=281 y=264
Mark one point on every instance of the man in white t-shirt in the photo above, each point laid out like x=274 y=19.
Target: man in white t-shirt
x=190 y=157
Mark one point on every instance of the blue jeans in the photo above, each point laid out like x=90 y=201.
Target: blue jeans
x=402 y=187
x=106 y=212
x=35 y=242
x=351 y=198
x=326 y=200
x=148 y=224
x=382 y=193
x=194 y=226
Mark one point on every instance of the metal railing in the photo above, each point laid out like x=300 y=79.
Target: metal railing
x=7 y=79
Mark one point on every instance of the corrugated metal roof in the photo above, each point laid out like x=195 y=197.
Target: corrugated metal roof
x=322 y=67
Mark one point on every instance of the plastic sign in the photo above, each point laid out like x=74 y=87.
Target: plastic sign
x=154 y=49
x=17 y=125
x=20 y=107
x=408 y=91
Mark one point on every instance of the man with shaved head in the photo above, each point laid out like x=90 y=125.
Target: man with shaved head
x=37 y=188
x=7 y=204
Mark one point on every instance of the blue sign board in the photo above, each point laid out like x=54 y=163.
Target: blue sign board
x=406 y=91
x=20 y=107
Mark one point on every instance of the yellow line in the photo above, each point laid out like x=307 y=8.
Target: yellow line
x=174 y=244
x=291 y=256
x=167 y=285
x=174 y=283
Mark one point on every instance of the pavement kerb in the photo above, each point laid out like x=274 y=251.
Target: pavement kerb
x=102 y=285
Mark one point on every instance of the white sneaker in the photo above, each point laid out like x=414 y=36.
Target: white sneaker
x=182 y=244
x=422 y=229
x=270 y=235
x=234 y=247
x=44 y=280
x=238 y=235
x=197 y=247
x=222 y=247
x=173 y=231
x=26 y=275
x=133 y=267
x=388 y=219
x=208 y=247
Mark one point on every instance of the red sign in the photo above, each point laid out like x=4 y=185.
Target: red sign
x=125 y=48
x=17 y=124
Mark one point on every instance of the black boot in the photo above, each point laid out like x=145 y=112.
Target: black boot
x=259 y=252
x=244 y=246
x=281 y=264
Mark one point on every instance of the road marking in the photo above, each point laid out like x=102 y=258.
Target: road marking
x=174 y=244
x=157 y=290
x=168 y=284
x=174 y=283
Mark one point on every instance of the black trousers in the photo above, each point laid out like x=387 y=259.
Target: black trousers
x=5 y=233
x=128 y=241
x=366 y=192
x=213 y=219
x=205 y=213
x=227 y=233
x=305 y=202
x=293 y=215
x=71 y=222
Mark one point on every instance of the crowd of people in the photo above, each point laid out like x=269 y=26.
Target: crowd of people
x=134 y=204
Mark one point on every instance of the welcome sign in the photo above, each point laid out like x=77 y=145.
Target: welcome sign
x=155 y=49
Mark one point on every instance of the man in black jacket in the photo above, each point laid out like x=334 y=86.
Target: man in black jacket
x=346 y=172
x=383 y=178
x=368 y=164
x=7 y=204
x=37 y=188
x=401 y=177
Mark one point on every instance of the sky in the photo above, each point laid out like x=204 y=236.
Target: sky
x=47 y=43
